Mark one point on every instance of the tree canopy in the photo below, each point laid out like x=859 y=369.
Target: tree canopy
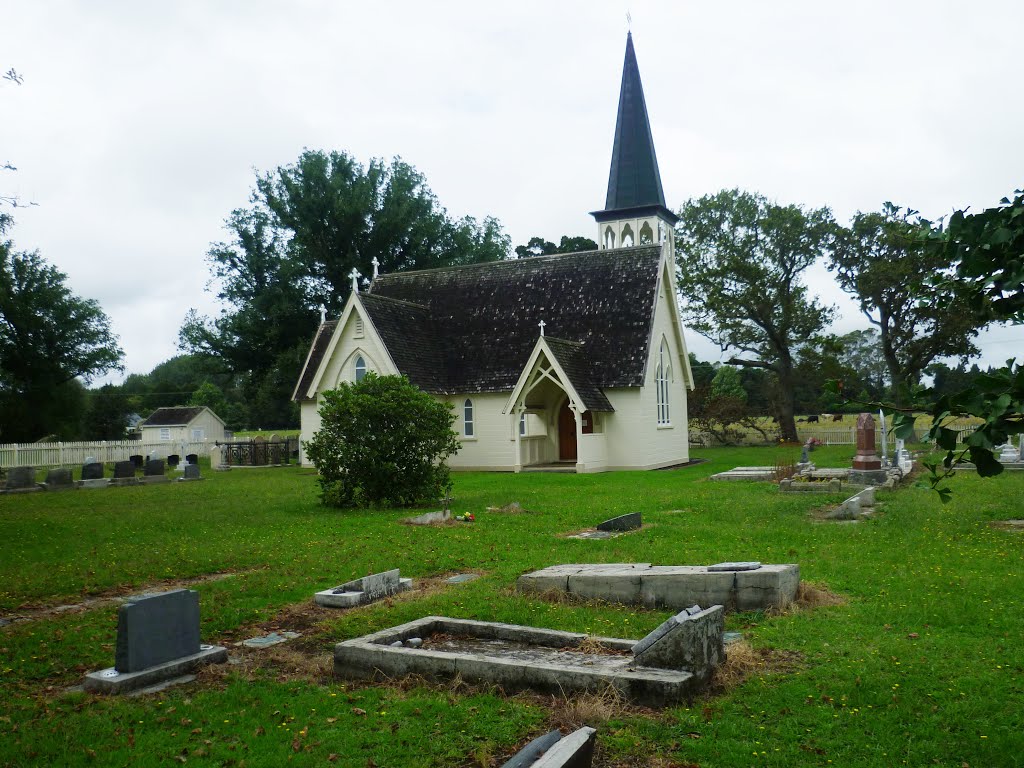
x=740 y=260
x=49 y=338
x=885 y=264
x=538 y=246
x=293 y=250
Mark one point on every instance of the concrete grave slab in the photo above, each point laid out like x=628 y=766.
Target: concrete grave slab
x=746 y=473
x=462 y=578
x=670 y=586
x=274 y=638
x=592 y=535
x=430 y=518
x=93 y=484
x=113 y=682
x=363 y=590
x=528 y=755
x=513 y=657
x=574 y=751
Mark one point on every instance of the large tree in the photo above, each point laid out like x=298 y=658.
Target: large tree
x=293 y=250
x=538 y=246
x=49 y=338
x=884 y=263
x=740 y=260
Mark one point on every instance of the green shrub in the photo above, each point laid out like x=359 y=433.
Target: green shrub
x=382 y=441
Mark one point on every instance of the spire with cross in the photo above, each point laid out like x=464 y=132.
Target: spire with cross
x=354 y=274
x=376 y=264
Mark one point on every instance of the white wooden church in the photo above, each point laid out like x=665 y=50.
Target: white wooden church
x=574 y=361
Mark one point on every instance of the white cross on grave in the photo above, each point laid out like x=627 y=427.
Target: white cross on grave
x=354 y=274
x=376 y=264
x=541 y=324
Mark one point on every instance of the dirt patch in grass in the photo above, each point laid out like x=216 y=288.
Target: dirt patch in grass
x=743 y=661
x=118 y=594
x=1008 y=525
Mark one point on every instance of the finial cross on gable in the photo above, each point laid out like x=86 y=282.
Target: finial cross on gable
x=355 y=275
x=541 y=324
x=376 y=264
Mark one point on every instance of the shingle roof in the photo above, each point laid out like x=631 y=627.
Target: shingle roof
x=483 y=317
x=172 y=417
x=407 y=331
x=316 y=353
x=571 y=356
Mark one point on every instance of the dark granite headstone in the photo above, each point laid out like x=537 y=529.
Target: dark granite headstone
x=154 y=468
x=153 y=629
x=92 y=471
x=59 y=479
x=20 y=478
x=628 y=522
x=191 y=458
x=192 y=472
x=124 y=470
x=137 y=460
x=173 y=460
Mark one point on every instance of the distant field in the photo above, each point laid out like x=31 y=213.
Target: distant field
x=920 y=665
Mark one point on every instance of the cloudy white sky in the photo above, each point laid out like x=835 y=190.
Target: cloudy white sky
x=139 y=124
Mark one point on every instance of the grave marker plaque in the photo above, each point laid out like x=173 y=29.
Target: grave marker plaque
x=21 y=479
x=154 y=468
x=59 y=479
x=124 y=470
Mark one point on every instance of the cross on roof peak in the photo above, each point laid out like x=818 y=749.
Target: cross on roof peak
x=541 y=324
x=355 y=275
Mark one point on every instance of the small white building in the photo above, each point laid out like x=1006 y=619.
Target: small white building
x=574 y=360
x=182 y=423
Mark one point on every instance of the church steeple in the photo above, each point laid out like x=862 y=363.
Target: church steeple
x=635 y=212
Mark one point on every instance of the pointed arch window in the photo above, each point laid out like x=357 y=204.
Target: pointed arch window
x=627 y=237
x=609 y=237
x=646 y=234
x=662 y=378
x=467 y=418
x=360 y=369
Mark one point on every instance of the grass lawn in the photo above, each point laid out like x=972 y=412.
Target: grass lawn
x=920 y=665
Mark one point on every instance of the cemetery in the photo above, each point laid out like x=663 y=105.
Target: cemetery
x=490 y=621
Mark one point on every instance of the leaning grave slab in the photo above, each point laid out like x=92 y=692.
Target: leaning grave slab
x=737 y=586
x=364 y=590
x=746 y=473
x=157 y=639
x=552 y=750
x=651 y=672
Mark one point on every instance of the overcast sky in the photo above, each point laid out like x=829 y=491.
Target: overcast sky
x=139 y=124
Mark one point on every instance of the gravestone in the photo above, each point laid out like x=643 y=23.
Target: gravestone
x=59 y=479
x=173 y=460
x=217 y=457
x=191 y=472
x=364 y=590
x=1008 y=454
x=154 y=472
x=628 y=522
x=137 y=460
x=866 y=457
x=690 y=640
x=867 y=467
x=92 y=471
x=21 y=480
x=192 y=458
x=157 y=639
x=124 y=470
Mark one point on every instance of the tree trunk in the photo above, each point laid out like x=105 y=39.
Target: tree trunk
x=784 y=406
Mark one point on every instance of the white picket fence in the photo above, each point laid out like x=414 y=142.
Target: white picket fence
x=73 y=454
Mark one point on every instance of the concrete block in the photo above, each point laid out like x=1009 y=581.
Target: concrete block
x=529 y=754
x=93 y=484
x=363 y=590
x=621 y=587
x=689 y=642
x=113 y=682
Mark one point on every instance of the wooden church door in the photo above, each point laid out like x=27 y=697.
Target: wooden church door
x=566 y=433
